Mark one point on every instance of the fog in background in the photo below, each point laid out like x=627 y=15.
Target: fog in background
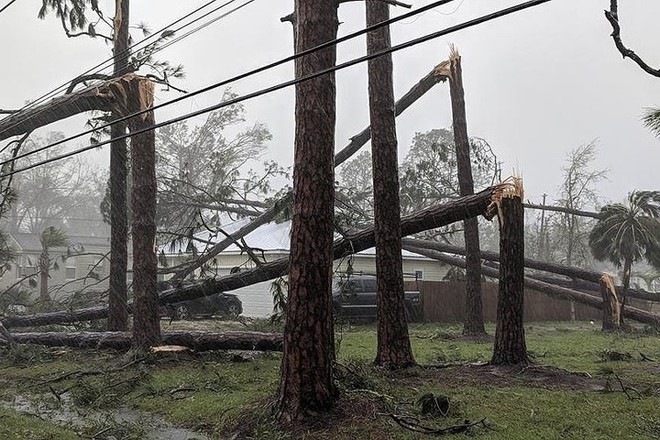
x=538 y=83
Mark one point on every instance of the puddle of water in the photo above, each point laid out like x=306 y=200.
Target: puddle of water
x=66 y=414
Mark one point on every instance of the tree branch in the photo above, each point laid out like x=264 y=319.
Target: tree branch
x=84 y=78
x=577 y=212
x=613 y=17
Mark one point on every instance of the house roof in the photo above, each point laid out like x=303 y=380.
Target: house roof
x=271 y=237
x=31 y=242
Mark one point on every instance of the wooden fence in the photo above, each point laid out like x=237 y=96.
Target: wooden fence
x=444 y=301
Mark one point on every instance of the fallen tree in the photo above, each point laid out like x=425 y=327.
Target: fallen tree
x=428 y=218
x=195 y=340
x=591 y=276
x=549 y=289
x=100 y=97
x=356 y=142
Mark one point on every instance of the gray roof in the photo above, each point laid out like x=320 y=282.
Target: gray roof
x=271 y=237
x=31 y=242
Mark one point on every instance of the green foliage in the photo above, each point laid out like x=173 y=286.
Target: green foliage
x=629 y=231
x=651 y=120
x=205 y=170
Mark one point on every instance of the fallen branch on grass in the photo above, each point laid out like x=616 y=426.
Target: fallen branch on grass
x=413 y=424
x=195 y=340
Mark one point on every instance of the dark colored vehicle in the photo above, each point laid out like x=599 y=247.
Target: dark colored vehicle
x=225 y=304
x=355 y=298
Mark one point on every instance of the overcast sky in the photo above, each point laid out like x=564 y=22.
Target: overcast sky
x=538 y=83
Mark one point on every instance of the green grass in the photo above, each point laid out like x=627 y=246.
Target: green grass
x=16 y=426
x=214 y=393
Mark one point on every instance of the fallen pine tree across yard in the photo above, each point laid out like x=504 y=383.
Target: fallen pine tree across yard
x=591 y=277
x=432 y=217
x=195 y=340
x=549 y=289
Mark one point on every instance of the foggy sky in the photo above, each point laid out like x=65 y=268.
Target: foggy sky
x=538 y=83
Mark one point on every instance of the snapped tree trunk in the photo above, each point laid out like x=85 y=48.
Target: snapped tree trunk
x=146 y=321
x=611 y=307
x=393 y=347
x=510 y=348
x=474 y=320
x=306 y=385
x=117 y=297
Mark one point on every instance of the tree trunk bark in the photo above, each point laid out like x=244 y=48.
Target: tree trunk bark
x=306 y=385
x=146 y=321
x=627 y=268
x=393 y=347
x=474 y=320
x=118 y=296
x=93 y=98
x=611 y=307
x=510 y=348
x=195 y=340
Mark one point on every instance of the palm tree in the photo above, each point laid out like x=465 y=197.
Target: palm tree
x=628 y=233
x=652 y=120
x=50 y=237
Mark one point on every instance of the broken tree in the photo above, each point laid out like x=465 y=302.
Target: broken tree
x=510 y=347
x=474 y=320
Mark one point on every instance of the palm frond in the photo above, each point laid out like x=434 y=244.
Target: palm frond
x=651 y=120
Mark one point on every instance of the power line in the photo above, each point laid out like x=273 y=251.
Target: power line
x=11 y=2
x=240 y=77
x=104 y=65
x=406 y=45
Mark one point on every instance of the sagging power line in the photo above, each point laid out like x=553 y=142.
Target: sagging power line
x=238 y=77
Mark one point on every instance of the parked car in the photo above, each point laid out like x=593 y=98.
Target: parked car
x=355 y=298
x=225 y=304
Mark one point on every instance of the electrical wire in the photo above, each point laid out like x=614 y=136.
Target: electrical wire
x=105 y=65
x=11 y=2
x=406 y=45
x=241 y=76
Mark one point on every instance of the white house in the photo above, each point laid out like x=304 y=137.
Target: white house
x=83 y=263
x=270 y=242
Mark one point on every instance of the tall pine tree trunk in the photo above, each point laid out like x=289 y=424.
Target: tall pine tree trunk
x=394 y=350
x=510 y=347
x=146 y=320
x=306 y=385
x=474 y=321
x=118 y=312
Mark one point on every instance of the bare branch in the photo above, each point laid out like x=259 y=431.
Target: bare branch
x=613 y=17
x=84 y=78
x=577 y=212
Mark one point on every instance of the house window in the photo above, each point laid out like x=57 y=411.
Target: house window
x=71 y=268
x=27 y=268
x=419 y=274
x=26 y=271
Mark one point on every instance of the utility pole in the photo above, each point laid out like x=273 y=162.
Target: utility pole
x=541 y=255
